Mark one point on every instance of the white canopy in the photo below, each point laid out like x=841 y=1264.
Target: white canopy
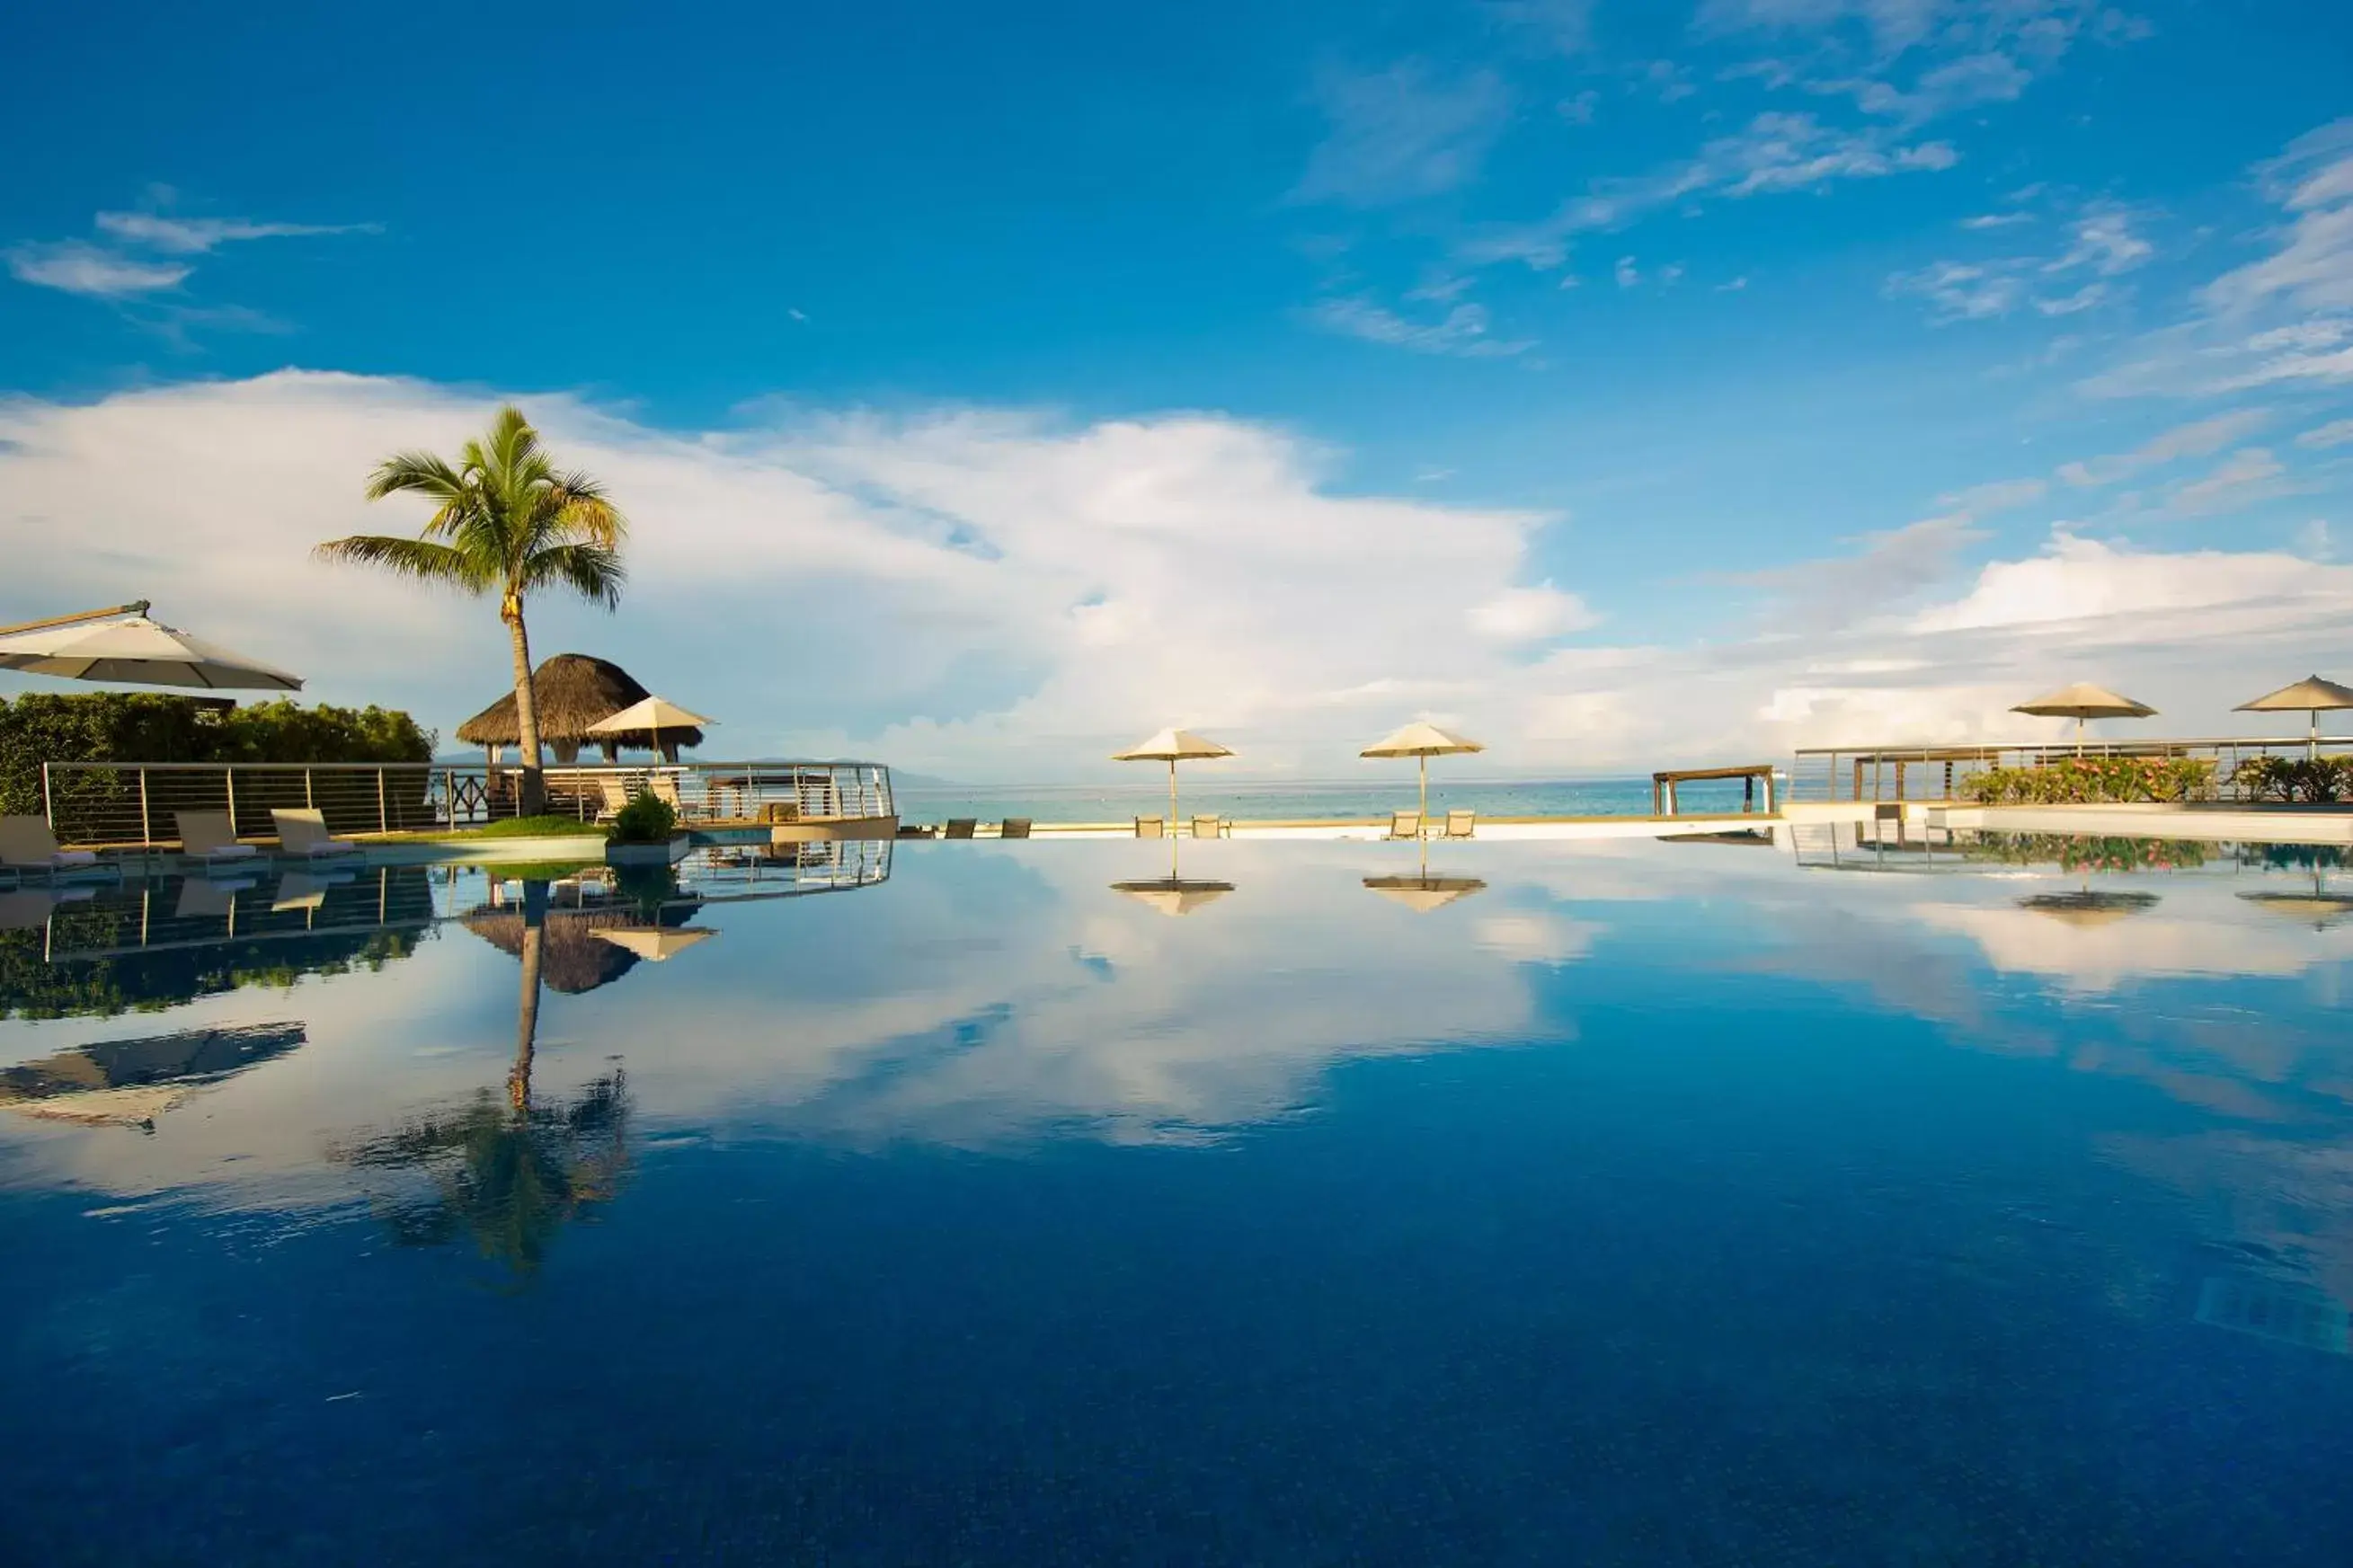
x=1421 y=741
x=1172 y=746
x=140 y=652
x=2311 y=695
x=650 y=714
x=656 y=943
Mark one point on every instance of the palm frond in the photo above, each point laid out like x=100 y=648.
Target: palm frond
x=591 y=571
x=588 y=516
x=419 y=472
x=418 y=558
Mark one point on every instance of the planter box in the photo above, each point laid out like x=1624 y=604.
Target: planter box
x=669 y=853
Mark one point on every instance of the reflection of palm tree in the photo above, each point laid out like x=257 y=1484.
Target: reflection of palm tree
x=509 y=1176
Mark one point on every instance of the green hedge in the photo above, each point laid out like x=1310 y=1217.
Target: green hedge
x=2073 y=852
x=150 y=727
x=2312 y=780
x=2089 y=781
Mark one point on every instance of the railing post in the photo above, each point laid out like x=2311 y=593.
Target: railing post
x=48 y=801
x=229 y=776
x=146 y=829
x=383 y=813
x=310 y=796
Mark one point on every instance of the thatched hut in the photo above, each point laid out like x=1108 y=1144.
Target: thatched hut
x=574 y=690
x=573 y=960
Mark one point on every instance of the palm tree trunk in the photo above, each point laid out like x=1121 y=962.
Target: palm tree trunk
x=531 y=790
x=534 y=938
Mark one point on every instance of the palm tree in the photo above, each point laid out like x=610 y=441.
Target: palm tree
x=507 y=522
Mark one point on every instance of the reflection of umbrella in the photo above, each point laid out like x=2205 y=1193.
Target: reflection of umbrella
x=1174 y=894
x=2319 y=907
x=1172 y=746
x=1425 y=892
x=2309 y=695
x=654 y=714
x=1421 y=741
x=2084 y=700
x=658 y=942
x=129 y=1083
x=136 y=651
x=2089 y=909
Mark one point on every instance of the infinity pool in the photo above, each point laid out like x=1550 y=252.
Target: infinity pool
x=1686 y=1203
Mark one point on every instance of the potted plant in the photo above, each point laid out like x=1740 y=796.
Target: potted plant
x=645 y=832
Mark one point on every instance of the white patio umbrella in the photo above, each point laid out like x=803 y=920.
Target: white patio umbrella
x=2311 y=695
x=653 y=713
x=134 y=651
x=2085 y=701
x=657 y=944
x=1172 y=746
x=1421 y=741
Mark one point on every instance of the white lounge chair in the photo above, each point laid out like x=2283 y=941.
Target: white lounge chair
x=209 y=837
x=1208 y=827
x=305 y=833
x=1405 y=825
x=27 y=844
x=1461 y=824
x=1149 y=826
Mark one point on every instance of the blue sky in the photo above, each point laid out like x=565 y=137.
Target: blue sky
x=1819 y=366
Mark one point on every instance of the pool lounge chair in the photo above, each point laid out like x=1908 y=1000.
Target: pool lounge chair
x=1015 y=827
x=1460 y=824
x=962 y=827
x=1150 y=828
x=27 y=846
x=208 y=836
x=1405 y=825
x=304 y=833
x=1208 y=827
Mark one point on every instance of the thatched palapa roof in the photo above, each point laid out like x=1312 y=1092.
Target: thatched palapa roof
x=574 y=690
x=572 y=960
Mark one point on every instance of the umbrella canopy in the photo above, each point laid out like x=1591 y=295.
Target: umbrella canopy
x=2088 y=910
x=651 y=716
x=2310 y=695
x=1421 y=741
x=1172 y=894
x=1172 y=746
x=2317 y=909
x=140 y=652
x=2085 y=701
x=129 y=1083
x=1426 y=892
x=572 y=691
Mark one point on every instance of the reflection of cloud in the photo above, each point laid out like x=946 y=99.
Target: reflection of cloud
x=1544 y=938
x=2085 y=957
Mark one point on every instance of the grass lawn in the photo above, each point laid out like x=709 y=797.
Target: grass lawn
x=547 y=827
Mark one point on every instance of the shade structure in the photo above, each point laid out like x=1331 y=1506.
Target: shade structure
x=1174 y=896
x=2319 y=910
x=1172 y=746
x=1427 y=891
x=140 y=652
x=651 y=715
x=572 y=692
x=1421 y=741
x=2085 y=701
x=129 y=1083
x=656 y=943
x=2311 y=695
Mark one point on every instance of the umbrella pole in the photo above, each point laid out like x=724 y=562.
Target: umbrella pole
x=1422 y=819
x=1172 y=797
x=2312 y=737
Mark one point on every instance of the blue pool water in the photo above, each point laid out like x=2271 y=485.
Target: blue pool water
x=1697 y=1203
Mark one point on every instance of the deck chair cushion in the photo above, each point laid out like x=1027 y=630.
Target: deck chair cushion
x=209 y=836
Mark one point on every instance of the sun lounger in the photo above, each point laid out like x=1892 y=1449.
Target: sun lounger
x=27 y=844
x=1405 y=825
x=207 y=898
x=1149 y=827
x=962 y=827
x=1208 y=827
x=1460 y=824
x=305 y=833
x=1015 y=827
x=207 y=835
x=305 y=890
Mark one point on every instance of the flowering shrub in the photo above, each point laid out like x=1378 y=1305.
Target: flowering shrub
x=2072 y=853
x=2087 y=780
x=2312 y=780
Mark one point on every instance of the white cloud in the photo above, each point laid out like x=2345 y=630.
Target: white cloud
x=2002 y=495
x=1960 y=291
x=2105 y=242
x=1627 y=273
x=2088 y=296
x=1463 y=331
x=1775 y=152
x=1400 y=135
x=78 y=267
x=1564 y=26
x=2202 y=439
x=2336 y=433
x=988 y=595
x=2246 y=477
x=1996 y=220
x=195 y=236
x=1891 y=566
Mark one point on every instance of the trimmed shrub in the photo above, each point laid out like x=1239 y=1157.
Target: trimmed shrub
x=647 y=819
x=2312 y=781
x=2092 y=781
x=2074 y=853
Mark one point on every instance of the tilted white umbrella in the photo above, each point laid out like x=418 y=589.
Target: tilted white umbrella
x=1172 y=746
x=1421 y=741
x=653 y=713
x=2310 y=695
x=2085 y=701
x=134 y=651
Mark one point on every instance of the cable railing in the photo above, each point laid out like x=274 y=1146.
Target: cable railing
x=1895 y=773
x=114 y=804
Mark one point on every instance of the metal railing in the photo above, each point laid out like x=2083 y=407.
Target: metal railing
x=1880 y=773
x=122 y=803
